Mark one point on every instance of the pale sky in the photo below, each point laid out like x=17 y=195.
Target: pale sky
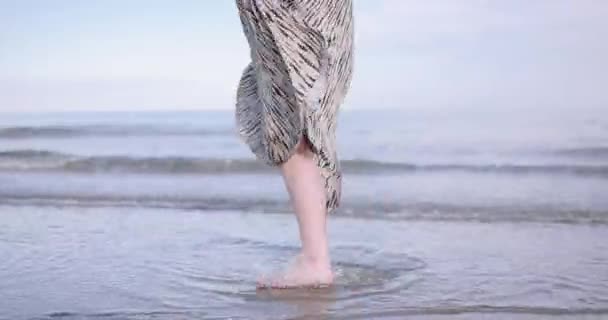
x=72 y=55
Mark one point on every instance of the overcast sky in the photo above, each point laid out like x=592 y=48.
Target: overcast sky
x=189 y=54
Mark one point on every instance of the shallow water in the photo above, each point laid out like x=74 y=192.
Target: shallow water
x=464 y=215
x=167 y=264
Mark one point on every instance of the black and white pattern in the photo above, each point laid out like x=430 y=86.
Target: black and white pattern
x=300 y=71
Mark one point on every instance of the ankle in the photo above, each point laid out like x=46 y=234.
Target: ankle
x=320 y=259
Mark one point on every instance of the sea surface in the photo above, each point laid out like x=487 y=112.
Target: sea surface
x=446 y=214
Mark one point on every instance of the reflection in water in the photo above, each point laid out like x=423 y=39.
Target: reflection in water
x=305 y=303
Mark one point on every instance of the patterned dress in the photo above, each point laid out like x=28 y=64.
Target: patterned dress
x=300 y=71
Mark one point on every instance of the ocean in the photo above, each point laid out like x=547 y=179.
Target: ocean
x=446 y=214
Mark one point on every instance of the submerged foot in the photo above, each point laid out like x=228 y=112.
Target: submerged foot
x=302 y=272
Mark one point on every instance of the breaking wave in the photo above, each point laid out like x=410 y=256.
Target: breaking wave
x=40 y=160
x=434 y=211
x=24 y=132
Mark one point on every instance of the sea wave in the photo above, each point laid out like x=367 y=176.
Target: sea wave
x=41 y=160
x=411 y=211
x=596 y=152
x=23 y=132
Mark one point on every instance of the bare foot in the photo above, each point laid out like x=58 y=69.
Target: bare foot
x=303 y=272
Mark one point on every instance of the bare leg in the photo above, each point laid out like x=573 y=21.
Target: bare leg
x=312 y=266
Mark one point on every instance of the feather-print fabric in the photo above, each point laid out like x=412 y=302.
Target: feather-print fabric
x=300 y=71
